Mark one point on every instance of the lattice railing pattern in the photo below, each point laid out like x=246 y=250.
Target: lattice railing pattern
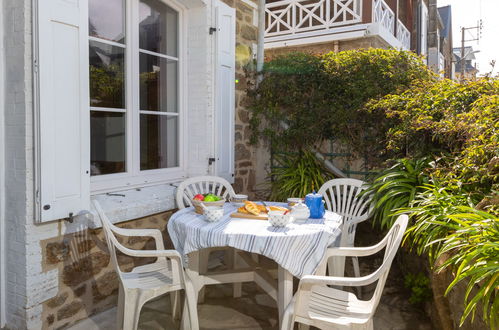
x=295 y=16
x=383 y=14
x=403 y=35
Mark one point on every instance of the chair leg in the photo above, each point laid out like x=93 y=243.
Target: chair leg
x=120 y=308
x=131 y=313
x=356 y=271
x=190 y=300
x=175 y=302
x=287 y=319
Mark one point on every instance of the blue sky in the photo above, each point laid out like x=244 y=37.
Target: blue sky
x=467 y=13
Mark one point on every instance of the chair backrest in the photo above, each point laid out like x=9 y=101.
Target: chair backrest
x=109 y=235
x=390 y=243
x=202 y=185
x=113 y=244
x=342 y=196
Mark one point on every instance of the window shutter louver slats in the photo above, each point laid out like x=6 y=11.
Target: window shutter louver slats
x=225 y=91
x=63 y=176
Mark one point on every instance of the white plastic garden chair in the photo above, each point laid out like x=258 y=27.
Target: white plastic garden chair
x=149 y=281
x=204 y=185
x=316 y=304
x=342 y=196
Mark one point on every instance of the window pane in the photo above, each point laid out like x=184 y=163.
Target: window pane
x=158 y=142
x=107 y=76
x=158 y=27
x=106 y=19
x=158 y=84
x=107 y=142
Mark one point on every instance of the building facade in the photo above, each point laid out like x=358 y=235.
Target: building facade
x=333 y=25
x=440 y=56
x=327 y=25
x=465 y=66
x=116 y=101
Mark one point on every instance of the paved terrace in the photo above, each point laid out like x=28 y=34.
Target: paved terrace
x=256 y=310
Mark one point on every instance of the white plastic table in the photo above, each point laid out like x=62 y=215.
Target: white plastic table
x=298 y=248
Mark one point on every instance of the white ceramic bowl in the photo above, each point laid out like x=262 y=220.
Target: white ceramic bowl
x=238 y=200
x=279 y=219
x=294 y=200
x=213 y=213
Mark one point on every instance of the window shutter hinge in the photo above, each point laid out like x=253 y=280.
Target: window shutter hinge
x=70 y=217
x=213 y=30
x=211 y=161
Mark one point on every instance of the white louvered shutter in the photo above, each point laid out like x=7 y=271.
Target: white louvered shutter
x=63 y=123
x=225 y=91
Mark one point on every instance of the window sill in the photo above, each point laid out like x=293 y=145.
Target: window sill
x=134 y=203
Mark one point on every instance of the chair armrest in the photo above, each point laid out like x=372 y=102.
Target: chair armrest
x=154 y=233
x=340 y=281
x=172 y=254
x=356 y=251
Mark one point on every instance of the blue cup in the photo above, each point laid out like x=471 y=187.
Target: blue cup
x=316 y=205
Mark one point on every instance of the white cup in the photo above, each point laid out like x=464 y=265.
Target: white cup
x=213 y=213
x=279 y=219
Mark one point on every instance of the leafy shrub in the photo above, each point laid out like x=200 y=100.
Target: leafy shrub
x=419 y=284
x=296 y=175
x=459 y=122
x=322 y=97
x=474 y=250
x=430 y=212
x=396 y=187
x=446 y=224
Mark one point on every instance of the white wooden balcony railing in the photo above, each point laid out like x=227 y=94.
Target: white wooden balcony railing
x=296 y=16
x=383 y=14
x=403 y=35
x=294 y=19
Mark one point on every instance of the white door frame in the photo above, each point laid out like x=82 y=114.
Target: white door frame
x=2 y=175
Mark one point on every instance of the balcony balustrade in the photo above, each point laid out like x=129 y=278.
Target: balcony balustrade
x=296 y=19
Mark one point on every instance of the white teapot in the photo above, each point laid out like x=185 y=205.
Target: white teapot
x=300 y=212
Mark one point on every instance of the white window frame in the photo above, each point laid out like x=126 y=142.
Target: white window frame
x=133 y=177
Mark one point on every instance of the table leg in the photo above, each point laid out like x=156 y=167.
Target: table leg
x=285 y=291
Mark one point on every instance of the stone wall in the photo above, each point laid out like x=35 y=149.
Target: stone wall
x=88 y=282
x=246 y=43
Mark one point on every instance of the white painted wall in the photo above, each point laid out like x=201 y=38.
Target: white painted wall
x=27 y=285
x=2 y=175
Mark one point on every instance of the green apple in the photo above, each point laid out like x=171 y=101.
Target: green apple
x=210 y=198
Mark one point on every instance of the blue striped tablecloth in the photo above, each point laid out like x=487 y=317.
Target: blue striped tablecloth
x=298 y=248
